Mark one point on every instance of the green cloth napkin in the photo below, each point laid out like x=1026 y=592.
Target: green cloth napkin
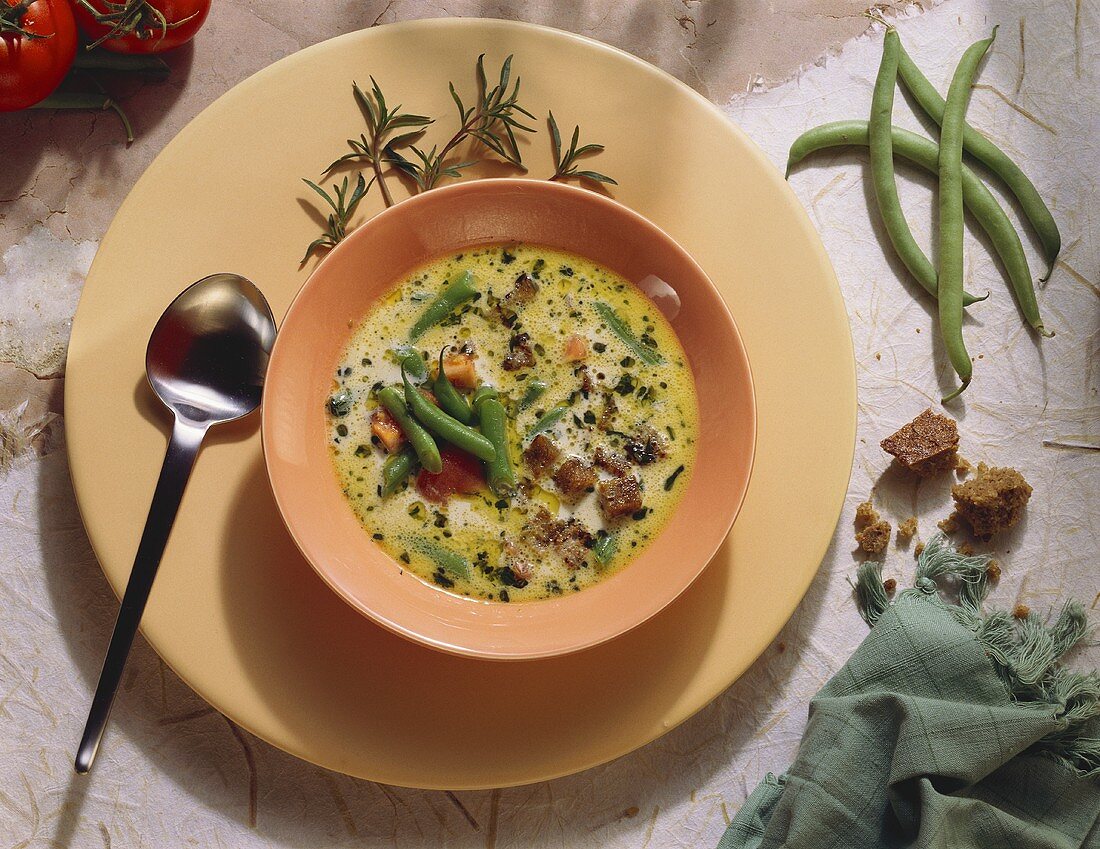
x=946 y=728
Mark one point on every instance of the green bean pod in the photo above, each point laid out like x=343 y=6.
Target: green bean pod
x=548 y=420
x=951 y=212
x=882 y=171
x=458 y=291
x=445 y=426
x=534 y=391
x=444 y=558
x=605 y=549
x=498 y=471
x=996 y=160
x=977 y=198
x=419 y=438
x=410 y=357
x=397 y=468
x=649 y=356
x=451 y=401
x=481 y=394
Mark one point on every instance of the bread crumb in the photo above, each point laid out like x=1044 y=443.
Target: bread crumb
x=907 y=529
x=962 y=465
x=866 y=514
x=992 y=501
x=926 y=446
x=993 y=570
x=878 y=355
x=889 y=585
x=918 y=549
x=950 y=524
x=874 y=538
x=966 y=550
x=1021 y=611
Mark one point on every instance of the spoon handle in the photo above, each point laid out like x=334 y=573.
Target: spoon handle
x=178 y=461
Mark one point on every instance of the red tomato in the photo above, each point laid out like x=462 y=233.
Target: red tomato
x=461 y=474
x=147 y=33
x=31 y=68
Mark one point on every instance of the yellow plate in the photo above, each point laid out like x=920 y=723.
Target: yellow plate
x=242 y=618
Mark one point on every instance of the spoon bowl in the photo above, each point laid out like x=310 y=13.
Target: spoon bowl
x=208 y=353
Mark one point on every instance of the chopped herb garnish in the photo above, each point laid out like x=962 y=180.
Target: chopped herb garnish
x=670 y=481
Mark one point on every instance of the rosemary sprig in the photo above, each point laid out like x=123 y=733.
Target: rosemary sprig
x=492 y=121
x=343 y=207
x=381 y=121
x=566 y=163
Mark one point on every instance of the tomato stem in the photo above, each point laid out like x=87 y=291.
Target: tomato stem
x=137 y=17
x=86 y=100
x=11 y=20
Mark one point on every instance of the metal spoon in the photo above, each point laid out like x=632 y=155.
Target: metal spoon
x=206 y=361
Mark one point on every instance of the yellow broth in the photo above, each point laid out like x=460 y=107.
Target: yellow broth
x=483 y=546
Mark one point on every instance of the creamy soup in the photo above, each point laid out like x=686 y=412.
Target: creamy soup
x=556 y=444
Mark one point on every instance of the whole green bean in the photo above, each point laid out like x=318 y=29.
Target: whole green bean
x=420 y=440
x=445 y=426
x=976 y=197
x=951 y=212
x=548 y=420
x=995 y=159
x=498 y=471
x=882 y=171
x=535 y=389
x=396 y=469
x=458 y=291
x=649 y=356
x=450 y=399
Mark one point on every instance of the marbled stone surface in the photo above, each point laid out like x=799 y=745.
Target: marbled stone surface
x=180 y=774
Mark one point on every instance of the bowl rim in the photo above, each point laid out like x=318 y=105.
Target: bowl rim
x=477 y=652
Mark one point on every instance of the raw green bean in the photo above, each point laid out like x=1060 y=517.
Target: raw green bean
x=458 y=291
x=882 y=171
x=450 y=400
x=995 y=159
x=413 y=362
x=498 y=471
x=445 y=426
x=976 y=197
x=535 y=388
x=605 y=549
x=444 y=558
x=649 y=356
x=951 y=212
x=547 y=421
x=396 y=469
x=482 y=393
x=420 y=440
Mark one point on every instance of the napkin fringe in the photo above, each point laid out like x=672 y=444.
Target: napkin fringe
x=1024 y=652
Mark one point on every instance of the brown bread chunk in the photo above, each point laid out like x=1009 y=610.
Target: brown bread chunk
x=541 y=454
x=575 y=477
x=993 y=500
x=614 y=464
x=875 y=537
x=908 y=528
x=620 y=496
x=927 y=445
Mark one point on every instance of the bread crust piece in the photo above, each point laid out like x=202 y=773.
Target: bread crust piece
x=993 y=500
x=925 y=446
